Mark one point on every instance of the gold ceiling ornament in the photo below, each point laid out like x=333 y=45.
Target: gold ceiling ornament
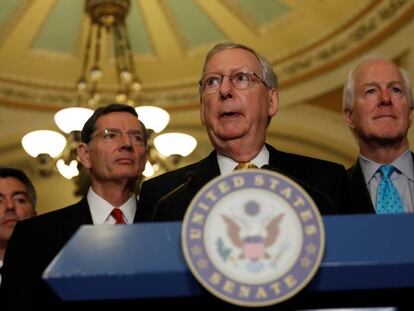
x=57 y=152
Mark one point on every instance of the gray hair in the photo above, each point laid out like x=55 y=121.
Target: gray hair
x=349 y=87
x=268 y=75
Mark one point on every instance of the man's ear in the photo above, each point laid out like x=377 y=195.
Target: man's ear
x=273 y=102
x=348 y=117
x=83 y=154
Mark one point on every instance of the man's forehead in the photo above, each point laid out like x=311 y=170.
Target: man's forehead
x=11 y=184
x=379 y=71
x=115 y=119
x=232 y=58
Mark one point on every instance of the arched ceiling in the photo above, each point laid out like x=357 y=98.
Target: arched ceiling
x=311 y=44
x=42 y=42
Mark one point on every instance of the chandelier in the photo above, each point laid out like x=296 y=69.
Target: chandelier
x=57 y=152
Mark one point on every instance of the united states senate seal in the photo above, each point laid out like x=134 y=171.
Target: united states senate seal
x=253 y=237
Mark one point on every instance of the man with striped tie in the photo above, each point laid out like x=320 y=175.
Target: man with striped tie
x=377 y=106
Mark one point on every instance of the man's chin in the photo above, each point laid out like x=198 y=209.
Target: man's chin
x=126 y=174
x=231 y=133
x=387 y=140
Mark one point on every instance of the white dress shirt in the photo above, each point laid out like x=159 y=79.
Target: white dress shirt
x=228 y=165
x=101 y=209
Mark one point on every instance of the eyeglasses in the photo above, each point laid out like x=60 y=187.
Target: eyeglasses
x=241 y=79
x=115 y=136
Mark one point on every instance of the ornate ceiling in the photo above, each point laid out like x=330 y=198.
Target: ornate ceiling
x=41 y=42
x=311 y=44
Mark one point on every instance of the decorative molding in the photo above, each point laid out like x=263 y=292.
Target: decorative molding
x=182 y=42
x=362 y=35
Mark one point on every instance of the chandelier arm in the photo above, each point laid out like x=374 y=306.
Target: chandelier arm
x=98 y=46
x=86 y=57
x=118 y=50
x=119 y=63
x=131 y=63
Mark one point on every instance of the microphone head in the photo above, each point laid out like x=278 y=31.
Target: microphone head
x=190 y=178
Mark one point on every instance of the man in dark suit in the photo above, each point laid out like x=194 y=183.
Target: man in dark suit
x=239 y=96
x=113 y=149
x=377 y=108
x=17 y=202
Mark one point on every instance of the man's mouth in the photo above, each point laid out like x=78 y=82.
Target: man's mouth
x=9 y=221
x=230 y=114
x=385 y=116
x=125 y=161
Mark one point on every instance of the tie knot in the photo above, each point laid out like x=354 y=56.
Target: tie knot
x=118 y=215
x=244 y=165
x=386 y=170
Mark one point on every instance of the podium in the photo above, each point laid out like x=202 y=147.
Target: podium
x=364 y=255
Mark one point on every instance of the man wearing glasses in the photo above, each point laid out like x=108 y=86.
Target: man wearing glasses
x=239 y=96
x=113 y=149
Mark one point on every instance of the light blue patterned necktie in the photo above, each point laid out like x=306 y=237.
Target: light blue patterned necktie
x=388 y=198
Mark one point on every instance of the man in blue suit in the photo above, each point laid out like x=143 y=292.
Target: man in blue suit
x=113 y=149
x=239 y=97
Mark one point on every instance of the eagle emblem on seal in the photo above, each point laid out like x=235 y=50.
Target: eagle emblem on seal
x=250 y=237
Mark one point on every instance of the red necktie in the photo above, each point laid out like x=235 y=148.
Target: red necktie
x=117 y=214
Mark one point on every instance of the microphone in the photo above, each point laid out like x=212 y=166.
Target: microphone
x=189 y=180
x=312 y=190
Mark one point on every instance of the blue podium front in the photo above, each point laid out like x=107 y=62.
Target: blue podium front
x=363 y=253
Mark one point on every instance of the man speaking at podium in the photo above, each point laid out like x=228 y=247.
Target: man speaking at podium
x=239 y=96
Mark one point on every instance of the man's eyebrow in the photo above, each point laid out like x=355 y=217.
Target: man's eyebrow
x=396 y=82
x=14 y=193
x=20 y=192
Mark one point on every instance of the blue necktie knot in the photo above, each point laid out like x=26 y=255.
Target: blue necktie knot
x=388 y=199
x=386 y=170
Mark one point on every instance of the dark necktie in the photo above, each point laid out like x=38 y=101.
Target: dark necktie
x=118 y=215
x=244 y=166
x=388 y=198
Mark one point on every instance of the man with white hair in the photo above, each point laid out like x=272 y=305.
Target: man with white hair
x=377 y=106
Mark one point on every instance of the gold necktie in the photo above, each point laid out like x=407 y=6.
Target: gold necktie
x=244 y=166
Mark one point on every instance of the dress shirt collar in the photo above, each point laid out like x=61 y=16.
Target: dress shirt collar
x=101 y=209
x=404 y=164
x=227 y=165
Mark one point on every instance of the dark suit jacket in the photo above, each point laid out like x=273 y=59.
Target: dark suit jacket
x=325 y=181
x=33 y=245
x=360 y=199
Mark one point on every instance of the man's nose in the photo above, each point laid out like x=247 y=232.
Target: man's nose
x=9 y=204
x=126 y=141
x=226 y=87
x=385 y=97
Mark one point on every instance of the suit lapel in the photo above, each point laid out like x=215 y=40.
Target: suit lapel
x=76 y=216
x=281 y=162
x=360 y=197
x=207 y=169
x=136 y=218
